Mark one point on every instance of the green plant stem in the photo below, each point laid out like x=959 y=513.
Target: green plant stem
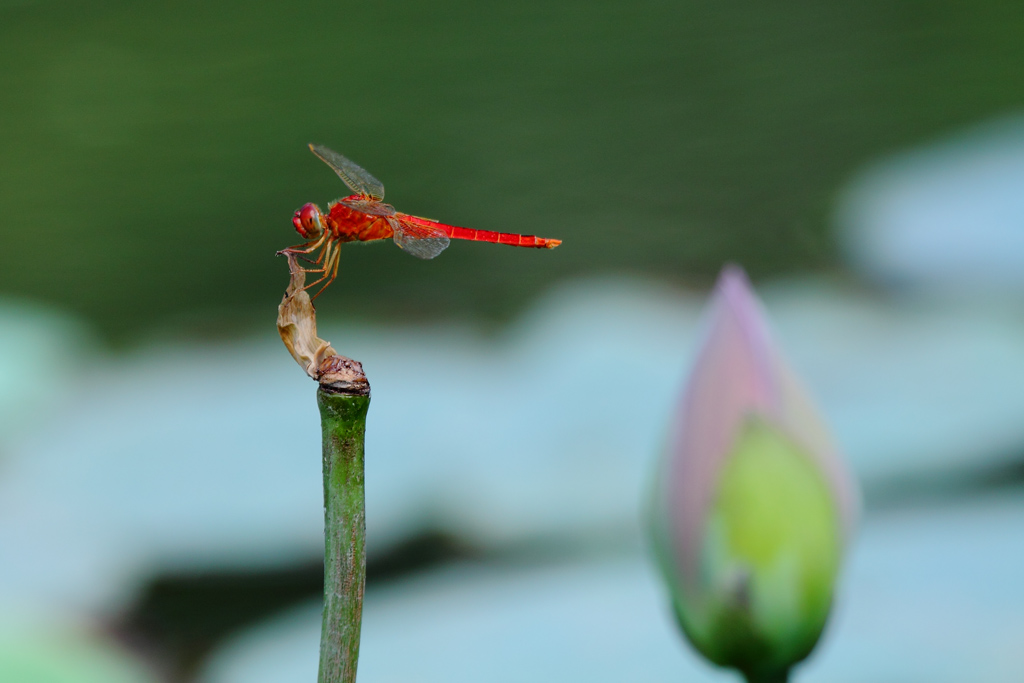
x=343 y=422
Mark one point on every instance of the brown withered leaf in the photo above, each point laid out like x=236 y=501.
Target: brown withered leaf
x=296 y=323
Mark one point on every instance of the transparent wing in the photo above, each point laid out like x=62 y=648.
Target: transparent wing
x=370 y=206
x=354 y=175
x=419 y=240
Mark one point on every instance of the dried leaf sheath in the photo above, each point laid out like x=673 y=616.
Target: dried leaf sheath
x=296 y=323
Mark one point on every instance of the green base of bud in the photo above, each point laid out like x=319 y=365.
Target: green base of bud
x=768 y=561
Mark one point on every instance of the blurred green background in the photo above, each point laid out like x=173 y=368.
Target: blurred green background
x=151 y=154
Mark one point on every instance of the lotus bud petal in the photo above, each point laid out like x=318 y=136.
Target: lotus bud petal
x=752 y=507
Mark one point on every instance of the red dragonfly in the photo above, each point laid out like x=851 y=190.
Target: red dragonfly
x=363 y=217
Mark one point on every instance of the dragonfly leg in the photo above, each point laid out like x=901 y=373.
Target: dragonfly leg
x=325 y=255
x=329 y=252
x=323 y=252
x=331 y=261
x=334 y=274
x=310 y=246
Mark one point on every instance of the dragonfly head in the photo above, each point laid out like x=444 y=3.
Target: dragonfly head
x=307 y=221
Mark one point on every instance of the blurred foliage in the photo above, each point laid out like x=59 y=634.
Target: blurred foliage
x=151 y=153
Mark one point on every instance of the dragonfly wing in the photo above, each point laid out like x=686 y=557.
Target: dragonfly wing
x=419 y=240
x=370 y=206
x=354 y=175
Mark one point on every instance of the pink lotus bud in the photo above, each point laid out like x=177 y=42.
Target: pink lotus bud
x=753 y=507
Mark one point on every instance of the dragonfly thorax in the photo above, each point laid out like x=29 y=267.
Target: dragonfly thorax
x=307 y=221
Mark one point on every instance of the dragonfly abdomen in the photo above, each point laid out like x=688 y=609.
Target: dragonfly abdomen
x=509 y=238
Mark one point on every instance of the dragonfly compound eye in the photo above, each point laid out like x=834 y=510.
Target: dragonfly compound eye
x=307 y=221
